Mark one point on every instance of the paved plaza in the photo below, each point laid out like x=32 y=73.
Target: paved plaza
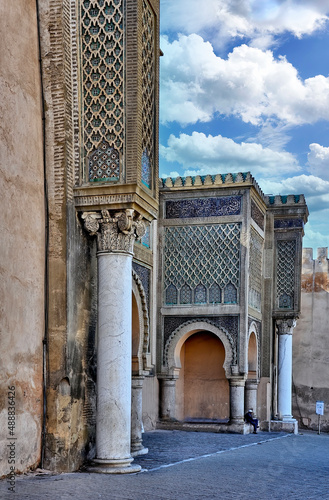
x=191 y=465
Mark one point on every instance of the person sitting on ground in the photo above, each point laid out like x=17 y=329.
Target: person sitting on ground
x=253 y=421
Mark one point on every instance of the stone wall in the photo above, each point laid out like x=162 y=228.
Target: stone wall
x=71 y=325
x=311 y=342
x=22 y=229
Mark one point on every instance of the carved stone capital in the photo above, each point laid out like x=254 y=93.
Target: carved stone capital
x=115 y=232
x=285 y=326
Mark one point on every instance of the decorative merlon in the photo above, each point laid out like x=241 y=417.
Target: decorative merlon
x=285 y=200
x=224 y=180
x=199 y=181
x=285 y=326
x=117 y=232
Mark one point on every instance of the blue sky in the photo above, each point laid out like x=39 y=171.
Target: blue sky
x=245 y=87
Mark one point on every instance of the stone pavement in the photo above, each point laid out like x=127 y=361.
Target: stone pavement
x=200 y=466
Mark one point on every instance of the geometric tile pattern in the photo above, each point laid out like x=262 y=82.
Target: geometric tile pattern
x=104 y=163
x=144 y=275
x=148 y=92
x=229 y=323
x=202 y=264
x=146 y=170
x=102 y=73
x=255 y=270
x=285 y=287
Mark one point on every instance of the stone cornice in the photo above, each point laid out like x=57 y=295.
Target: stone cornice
x=115 y=197
x=115 y=232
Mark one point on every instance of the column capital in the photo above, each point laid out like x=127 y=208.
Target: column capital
x=285 y=326
x=116 y=231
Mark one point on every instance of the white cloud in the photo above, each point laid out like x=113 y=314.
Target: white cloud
x=315 y=189
x=313 y=237
x=258 y=20
x=318 y=160
x=250 y=84
x=201 y=154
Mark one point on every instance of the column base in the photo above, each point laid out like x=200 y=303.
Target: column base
x=139 y=451
x=103 y=466
x=284 y=425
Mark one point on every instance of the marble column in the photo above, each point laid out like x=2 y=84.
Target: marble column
x=115 y=240
x=251 y=388
x=285 y=330
x=237 y=400
x=168 y=398
x=137 y=447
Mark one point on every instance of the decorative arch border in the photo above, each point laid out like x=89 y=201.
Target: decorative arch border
x=184 y=331
x=253 y=328
x=144 y=324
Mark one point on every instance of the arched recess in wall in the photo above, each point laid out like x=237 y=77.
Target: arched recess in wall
x=180 y=335
x=202 y=390
x=186 y=354
x=140 y=326
x=253 y=354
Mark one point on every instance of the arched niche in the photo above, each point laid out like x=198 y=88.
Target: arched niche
x=253 y=355
x=179 y=336
x=202 y=391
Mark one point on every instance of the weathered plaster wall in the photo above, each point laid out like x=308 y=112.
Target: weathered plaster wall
x=311 y=342
x=70 y=367
x=22 y=229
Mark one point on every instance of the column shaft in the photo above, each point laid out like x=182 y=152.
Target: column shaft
x=116 y=234
x=285 y=377
x=237 y=400
x=114 y=356
x=168 y=399
x=251 y=395
x=137 y=447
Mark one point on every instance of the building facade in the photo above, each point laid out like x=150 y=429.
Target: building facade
x=128 y=303
x=228 y=283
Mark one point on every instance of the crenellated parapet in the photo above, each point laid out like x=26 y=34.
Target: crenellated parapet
x=285 y=200
x=207 y=181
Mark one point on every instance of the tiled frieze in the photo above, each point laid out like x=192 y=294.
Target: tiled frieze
x=288 y=223
x=203 y=207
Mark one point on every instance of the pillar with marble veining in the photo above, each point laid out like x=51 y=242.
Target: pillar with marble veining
x=285 y=330
x=137 y=447
x=251 y=388
x=237 y=386
x=115 y=239
x=168 y=399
